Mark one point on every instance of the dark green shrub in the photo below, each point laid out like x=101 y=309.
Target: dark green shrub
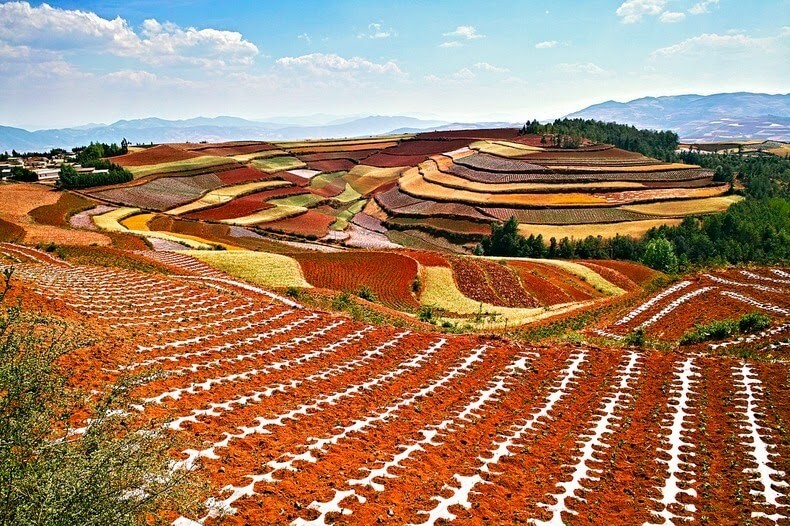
x=754 y=322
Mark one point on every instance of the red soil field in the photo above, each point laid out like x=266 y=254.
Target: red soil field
x=296 y=413
x=332 y=165
x=389 y=275
x=384 y=160
x=311 y=224
x=243 y=175
x=232 y=148
x=245 y=205
x=574 y=287
x=162 y=193
x=639 y=274
x=416 y=147
x=154 y=155
x=492 y=133
x=490 y=282
x=543 y=290
x=611 y=275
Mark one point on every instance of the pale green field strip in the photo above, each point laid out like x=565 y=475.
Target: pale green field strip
x=344 y=217
x=246 y=157
x=320 y=181
x=265 y=216
x=225 y=195
x=259 y=268
x=440 y=291
x=205 y=161
x=278 y=164
x=686 y=207
x=303 y=200
x=348 y=195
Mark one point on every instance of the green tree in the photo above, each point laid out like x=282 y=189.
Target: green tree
x=660 y=255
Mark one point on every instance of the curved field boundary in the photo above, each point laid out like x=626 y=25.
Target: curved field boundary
x=226 y=194
x=586 y=274
x=278 y=164
x=441 y=291
x=111 y=221
x=504 y=148
x=413 y=183
x=266 y=154
x=367 y=179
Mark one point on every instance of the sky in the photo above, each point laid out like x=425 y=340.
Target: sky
x=67 y=63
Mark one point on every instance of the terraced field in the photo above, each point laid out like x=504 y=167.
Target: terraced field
x=442 y=189
x=303 y=417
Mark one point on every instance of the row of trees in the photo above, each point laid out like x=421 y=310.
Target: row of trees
x=71 y=178
x=657 y=144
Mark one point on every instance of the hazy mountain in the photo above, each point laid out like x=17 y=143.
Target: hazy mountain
x=214 y=129
x=454 y=126
x=708 y=118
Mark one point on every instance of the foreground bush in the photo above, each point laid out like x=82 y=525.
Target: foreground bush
x=115 y=473
x=720 y=329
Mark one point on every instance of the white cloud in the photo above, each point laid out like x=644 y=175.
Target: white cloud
x=452 y=43
x=713 y=43
x=485 y=66
x=377 y=31
x=464 y=74
x=137 y=77
x=670 y=17
x=329 y=64
x=702 y=7
x=61 y=30
x=584 y=69
x=546 y=44
x=306 y=38
x=467 y=32
x=632 y=11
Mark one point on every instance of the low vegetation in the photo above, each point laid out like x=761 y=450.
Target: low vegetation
x=721 y=329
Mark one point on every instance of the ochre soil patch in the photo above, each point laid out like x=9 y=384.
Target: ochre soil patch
x=311 y=224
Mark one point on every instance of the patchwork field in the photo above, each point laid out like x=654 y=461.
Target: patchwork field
x=297 y=416
x=438 y=189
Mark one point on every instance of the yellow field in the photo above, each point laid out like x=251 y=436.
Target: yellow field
x=115 y=221
x=413 y=183
x=504 y=148
x=271 y=214
x=607 y=230
x=781 y=151
x=204 y=161
x=686 y=207
x=348 y=195
x=278 y=164
x=259 y=268
x=226 y=194
x=365 y=179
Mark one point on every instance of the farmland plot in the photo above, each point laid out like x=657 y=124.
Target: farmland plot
x=301 y=417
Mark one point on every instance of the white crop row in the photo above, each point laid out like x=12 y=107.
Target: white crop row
x=755 y=303
x=673 y=305
x=751 y=338
x=642 y=308
x=501 y=448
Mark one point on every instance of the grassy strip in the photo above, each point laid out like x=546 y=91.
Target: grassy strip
x=344 y=217
x=178 y=166
x=720 y=329
x=259 y=268
x=348 y=195
x=246 y=157
x=278 y=164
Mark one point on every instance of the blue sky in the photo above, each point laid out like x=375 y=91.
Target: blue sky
x=67 y=62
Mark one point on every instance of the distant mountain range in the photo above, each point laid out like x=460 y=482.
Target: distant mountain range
x=703 y=118
x=712 y=118
x=215 y=129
